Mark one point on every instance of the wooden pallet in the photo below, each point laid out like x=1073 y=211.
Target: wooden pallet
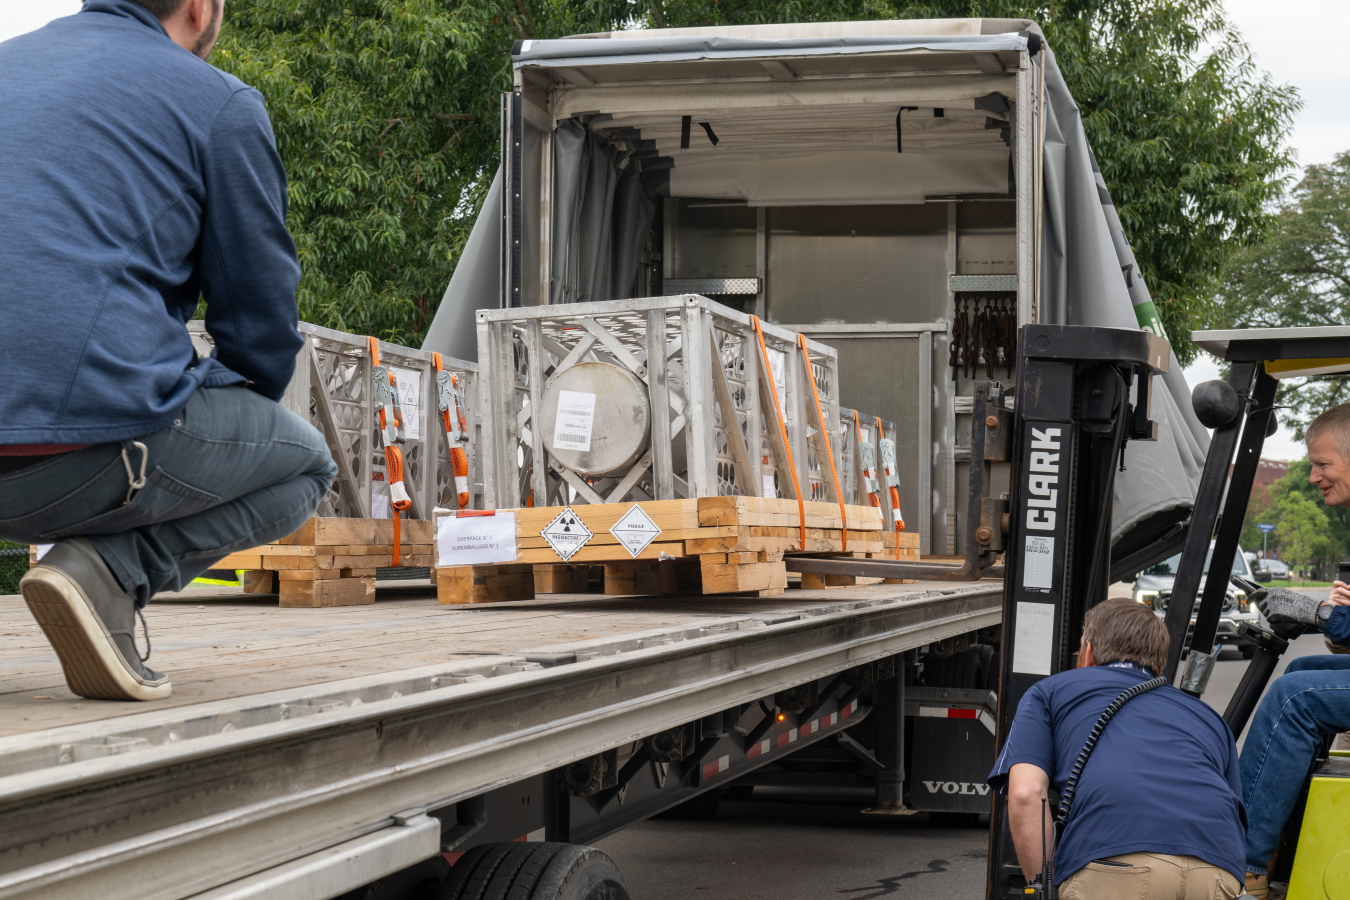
x=331 y=561
x=709 y=545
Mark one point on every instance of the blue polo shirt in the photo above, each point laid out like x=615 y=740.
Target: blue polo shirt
x=1163 y=778
x=135 y=179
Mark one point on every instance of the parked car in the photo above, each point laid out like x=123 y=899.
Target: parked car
x=1271 y=569
x=1153 y=588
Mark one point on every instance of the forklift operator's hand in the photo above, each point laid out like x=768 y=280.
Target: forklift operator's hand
x=1339 y=594
x=1281 y=605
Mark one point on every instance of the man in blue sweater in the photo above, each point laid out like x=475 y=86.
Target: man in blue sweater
x=1312 y=699
x=138 y=179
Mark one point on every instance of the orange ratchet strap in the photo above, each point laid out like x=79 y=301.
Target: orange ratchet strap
x=892 y=483
x=782 y=427
x=393 y=457
x=459 y=461
x=825 y=436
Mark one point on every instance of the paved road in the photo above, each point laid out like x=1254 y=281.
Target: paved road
x=795 y=844
x=799 y=844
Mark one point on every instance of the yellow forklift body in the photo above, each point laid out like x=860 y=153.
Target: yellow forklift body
x=1322 y=865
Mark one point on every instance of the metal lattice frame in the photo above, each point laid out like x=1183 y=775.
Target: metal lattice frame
x=850 y=473
x=701 y=364
x=331 y=389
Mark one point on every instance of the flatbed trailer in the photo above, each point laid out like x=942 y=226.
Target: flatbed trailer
x=305 y=756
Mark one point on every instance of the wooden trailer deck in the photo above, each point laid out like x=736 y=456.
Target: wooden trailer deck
x=220 y=643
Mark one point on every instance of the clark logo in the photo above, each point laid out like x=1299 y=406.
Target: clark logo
x=1042 y=476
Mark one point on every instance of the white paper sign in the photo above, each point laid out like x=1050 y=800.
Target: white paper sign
x=379 y=506
x=476 y=540
x=1035 y=634
x=778 y=366
x=635 y=530
x=409 y=401
x=1038 y=565
x=42 y=549
x=567 y=533
x=576 y=417
x=770 y=489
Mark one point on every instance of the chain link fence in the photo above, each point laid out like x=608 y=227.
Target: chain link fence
x=13 y=565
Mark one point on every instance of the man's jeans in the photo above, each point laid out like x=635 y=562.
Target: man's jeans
x=233 y=471
x=1309 y=701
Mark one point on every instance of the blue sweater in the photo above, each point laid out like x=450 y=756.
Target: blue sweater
x=134 y=178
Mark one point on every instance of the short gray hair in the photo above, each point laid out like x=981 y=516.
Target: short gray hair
x=1336 y=422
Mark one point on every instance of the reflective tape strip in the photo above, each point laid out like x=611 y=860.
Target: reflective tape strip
x=716 y=767
x=758 y=750
x=534 y=837
x=787 y=737
x=811 y=727
x=848 y=710
x=948 y=712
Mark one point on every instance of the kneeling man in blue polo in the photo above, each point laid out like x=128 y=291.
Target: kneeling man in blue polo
x=1158 y=808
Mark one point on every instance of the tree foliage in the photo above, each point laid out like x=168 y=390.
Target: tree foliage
x=1299 y=275
x=386 y=116
x=1302 y=530
x=1259 y=510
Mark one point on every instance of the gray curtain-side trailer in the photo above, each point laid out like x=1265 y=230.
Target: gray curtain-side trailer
x=875 y=185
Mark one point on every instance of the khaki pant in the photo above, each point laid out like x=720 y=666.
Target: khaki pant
x=1150 y=876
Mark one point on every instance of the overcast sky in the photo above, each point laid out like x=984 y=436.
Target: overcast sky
x=1299 y=42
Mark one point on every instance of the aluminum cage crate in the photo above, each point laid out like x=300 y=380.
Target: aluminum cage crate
x=682 y=368
x=331 y=389
x=874 y=452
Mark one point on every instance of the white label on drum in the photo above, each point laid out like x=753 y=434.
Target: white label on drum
x=576 y=417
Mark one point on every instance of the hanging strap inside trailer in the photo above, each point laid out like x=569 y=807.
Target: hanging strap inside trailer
x=888 y=468
x=447 y=395
x=385 y=398
x=825 y=436
x=782 y=428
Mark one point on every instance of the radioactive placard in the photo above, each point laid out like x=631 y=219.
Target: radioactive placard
x=566 y=534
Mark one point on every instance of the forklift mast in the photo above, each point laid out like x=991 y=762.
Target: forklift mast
x=1081 y=394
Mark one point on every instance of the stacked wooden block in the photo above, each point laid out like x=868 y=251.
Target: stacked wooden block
x=708 y=545
x=331 y=561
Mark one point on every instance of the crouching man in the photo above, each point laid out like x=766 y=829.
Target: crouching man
x=137 y=181
x=1157 y=811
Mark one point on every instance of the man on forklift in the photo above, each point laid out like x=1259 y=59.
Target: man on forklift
x=1158 y=812
x=1312 y=699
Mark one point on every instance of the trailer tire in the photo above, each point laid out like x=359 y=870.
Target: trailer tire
x=534 y=871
